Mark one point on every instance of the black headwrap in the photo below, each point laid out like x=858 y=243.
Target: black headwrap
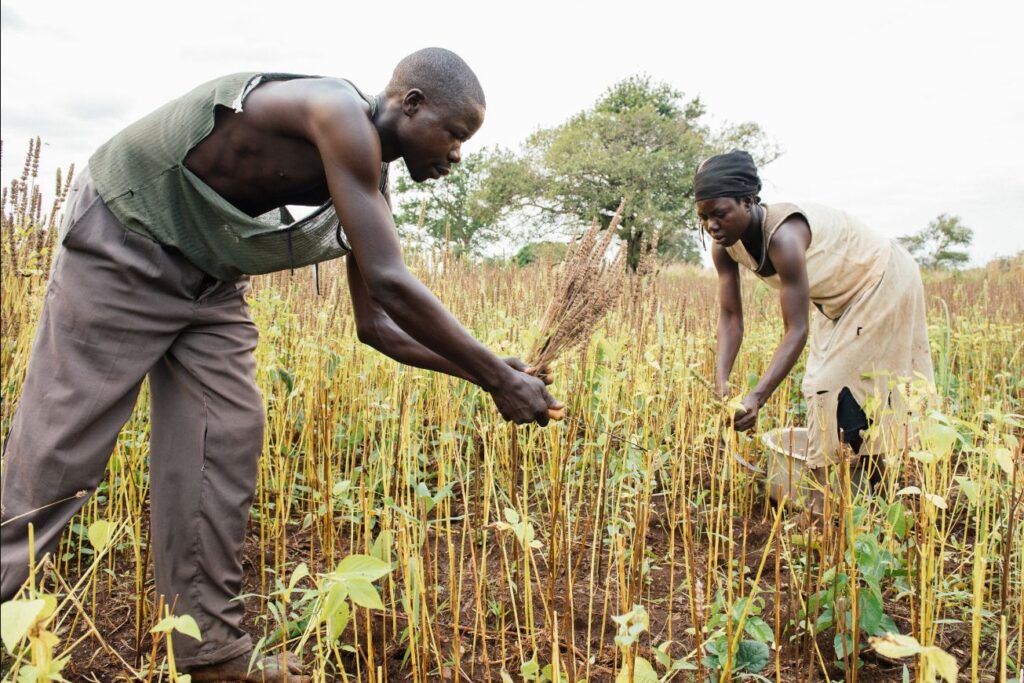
x=732 y=174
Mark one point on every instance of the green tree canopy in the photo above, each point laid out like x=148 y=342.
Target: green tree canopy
x=641 y=142
x=942 y=244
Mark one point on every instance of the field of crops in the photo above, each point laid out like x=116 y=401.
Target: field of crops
x=402 y=531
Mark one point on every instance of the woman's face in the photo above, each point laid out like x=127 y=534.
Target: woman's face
x=725 y=218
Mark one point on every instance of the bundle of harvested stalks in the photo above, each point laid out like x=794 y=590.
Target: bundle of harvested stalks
x=585 y=290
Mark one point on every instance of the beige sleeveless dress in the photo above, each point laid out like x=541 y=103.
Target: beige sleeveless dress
x=869 y=331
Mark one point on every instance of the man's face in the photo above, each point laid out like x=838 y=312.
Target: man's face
x=724 y=218
x=432 y=135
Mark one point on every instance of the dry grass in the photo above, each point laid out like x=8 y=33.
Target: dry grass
x=587 y=286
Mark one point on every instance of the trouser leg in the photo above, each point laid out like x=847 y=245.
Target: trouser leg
x=207 y=435
x=101 y=329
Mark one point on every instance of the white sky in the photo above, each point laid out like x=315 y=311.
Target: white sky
x=894 y=111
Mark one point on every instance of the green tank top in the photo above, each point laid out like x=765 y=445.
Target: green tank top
x=141 y=176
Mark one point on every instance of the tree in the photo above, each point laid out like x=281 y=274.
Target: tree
x=942 y=244
x=457 y=208
x=641 y=142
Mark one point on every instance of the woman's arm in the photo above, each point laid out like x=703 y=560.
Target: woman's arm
x=787 y=251
x=730 y=316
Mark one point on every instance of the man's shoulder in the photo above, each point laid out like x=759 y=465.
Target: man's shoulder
x=337 y=94
x=333 y=103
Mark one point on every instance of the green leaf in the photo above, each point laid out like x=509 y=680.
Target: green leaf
x=968 y=488
x=337 y=621
x=301 y=572
x=49 y=608
x=363 y=593
x=643 y=672
x=1004 y=459
x=757 y=629
x=164 y=625
x=336 y=595
x=530 y=669
x=661 y=654
x=751 y=656
x=683 y=665
x=869 y=612
x=383 y=545
x=16 y=618
x=511 y=516
x=361 y=567
x=186 y=625
x=939 y=439
x=826 y=619
x=843 y=645
x=99 y=534
x=896 y=515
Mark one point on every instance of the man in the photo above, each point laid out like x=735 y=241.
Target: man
x=870 y=327
x=159 y=237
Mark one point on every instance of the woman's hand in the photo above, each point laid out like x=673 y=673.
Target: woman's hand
x=746 y=419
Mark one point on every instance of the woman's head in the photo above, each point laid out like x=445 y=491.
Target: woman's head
x=726 y=188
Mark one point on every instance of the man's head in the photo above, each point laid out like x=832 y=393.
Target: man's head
x=442 y=105
x=725 y=188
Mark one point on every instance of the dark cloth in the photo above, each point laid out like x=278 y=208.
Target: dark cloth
x=851 y=420
x=732 y=174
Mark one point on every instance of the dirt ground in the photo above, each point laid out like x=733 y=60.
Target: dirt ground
x=116 y=605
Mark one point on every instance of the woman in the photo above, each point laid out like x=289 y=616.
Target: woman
x=869 y=328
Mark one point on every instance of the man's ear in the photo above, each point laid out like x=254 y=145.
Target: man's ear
x=412 y=101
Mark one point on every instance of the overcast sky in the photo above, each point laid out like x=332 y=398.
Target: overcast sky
x=894 y=111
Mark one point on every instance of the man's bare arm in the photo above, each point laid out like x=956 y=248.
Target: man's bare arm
x=376 y=329
x=349 y=147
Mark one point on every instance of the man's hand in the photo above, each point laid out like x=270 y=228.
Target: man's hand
x=523 y=398
x=517 y=364
x=745 y=420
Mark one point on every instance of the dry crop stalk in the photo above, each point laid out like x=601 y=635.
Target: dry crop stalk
x=584 y=291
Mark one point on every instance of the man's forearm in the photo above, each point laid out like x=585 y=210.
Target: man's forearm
x=394 y=343
x=415 y=310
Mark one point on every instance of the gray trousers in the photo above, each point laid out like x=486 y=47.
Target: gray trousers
x=118 y=307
